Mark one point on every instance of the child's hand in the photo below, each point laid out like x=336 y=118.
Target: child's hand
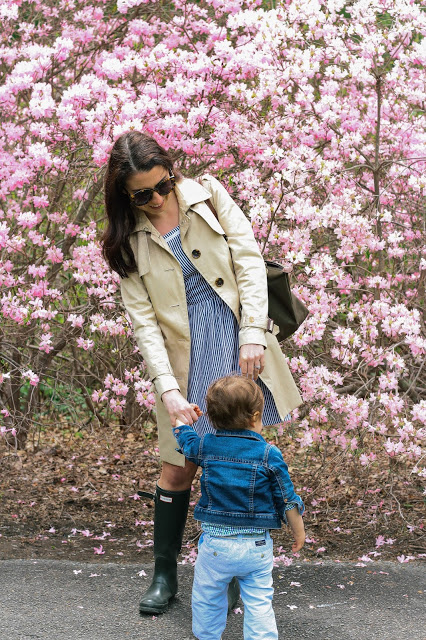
x=197 y=410
x=299 y=541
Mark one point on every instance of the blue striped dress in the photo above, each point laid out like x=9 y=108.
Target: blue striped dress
x=214 y=338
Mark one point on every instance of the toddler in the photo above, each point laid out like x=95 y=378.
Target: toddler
x=245 y=491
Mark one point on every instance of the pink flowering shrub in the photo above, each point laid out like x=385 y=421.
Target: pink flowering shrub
x=311 y=113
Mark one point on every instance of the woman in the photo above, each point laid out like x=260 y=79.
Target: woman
x=194 y=285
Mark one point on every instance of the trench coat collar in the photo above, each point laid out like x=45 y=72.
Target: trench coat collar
x=188 y=192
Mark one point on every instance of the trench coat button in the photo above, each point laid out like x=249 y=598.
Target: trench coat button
x=219 y=282
x=196 y=253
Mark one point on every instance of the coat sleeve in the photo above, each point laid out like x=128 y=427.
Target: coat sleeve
x=148 y=333
x=249 y=266
x=282 y=487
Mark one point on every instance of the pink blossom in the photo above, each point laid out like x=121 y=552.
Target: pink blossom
x=28 y=219
x=46 y=343
x=76 y=321
x=39 y=271
x=124 y=5
x=72 y=230
x=99 y=396
x=402 y=558
x=117 y=405
x=55 y=255
x=120 y=389
x=85 y=344
x=98 y=550
x=32 y=377
x=282 y=560
x=365 y=459
x=39 y=152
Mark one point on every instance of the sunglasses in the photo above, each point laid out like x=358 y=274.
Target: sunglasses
x=163 y=188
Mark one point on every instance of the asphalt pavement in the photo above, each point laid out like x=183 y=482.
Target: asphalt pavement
x=61 y=600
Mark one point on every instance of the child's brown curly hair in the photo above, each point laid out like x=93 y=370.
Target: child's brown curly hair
x=232 y=402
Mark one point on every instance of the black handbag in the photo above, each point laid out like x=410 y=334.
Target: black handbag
x=284 y=308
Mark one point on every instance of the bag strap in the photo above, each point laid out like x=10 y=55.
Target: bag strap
x=270 y=325
x=208 y=202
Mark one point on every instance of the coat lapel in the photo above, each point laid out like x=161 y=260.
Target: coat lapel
x=192 y=196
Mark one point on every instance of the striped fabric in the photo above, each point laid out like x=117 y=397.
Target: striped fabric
x=224 y=530
x=214 y=339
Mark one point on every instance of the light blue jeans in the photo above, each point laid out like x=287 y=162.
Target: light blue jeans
x=250 y=559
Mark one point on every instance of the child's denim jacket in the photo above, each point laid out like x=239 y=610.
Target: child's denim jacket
x=245 y=481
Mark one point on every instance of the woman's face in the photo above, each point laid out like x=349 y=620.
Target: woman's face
x=149 y=180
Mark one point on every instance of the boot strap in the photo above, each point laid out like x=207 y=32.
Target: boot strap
x=146 y=494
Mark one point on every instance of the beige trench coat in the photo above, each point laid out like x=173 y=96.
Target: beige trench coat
x=154 y=296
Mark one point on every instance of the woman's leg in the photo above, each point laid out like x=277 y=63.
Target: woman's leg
x=175 y=478
x=171 y=508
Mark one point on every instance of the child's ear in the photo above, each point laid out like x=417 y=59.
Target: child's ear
x=254 y=418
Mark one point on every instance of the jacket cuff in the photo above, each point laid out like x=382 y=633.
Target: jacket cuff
x=183 y=428
x=165 y=382
x=178 y=432
x=253 y=322
x=295 y=503
x=252 y=335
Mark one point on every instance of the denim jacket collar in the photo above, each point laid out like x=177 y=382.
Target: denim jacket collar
x=242 y=433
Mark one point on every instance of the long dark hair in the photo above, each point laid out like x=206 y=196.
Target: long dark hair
x=132 y=152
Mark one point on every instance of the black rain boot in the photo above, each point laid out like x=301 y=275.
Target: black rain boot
x=171 y=509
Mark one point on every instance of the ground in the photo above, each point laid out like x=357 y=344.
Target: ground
x=73 y=495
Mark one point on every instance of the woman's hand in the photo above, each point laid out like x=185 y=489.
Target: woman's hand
x=252 y=360
x=178 y=407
